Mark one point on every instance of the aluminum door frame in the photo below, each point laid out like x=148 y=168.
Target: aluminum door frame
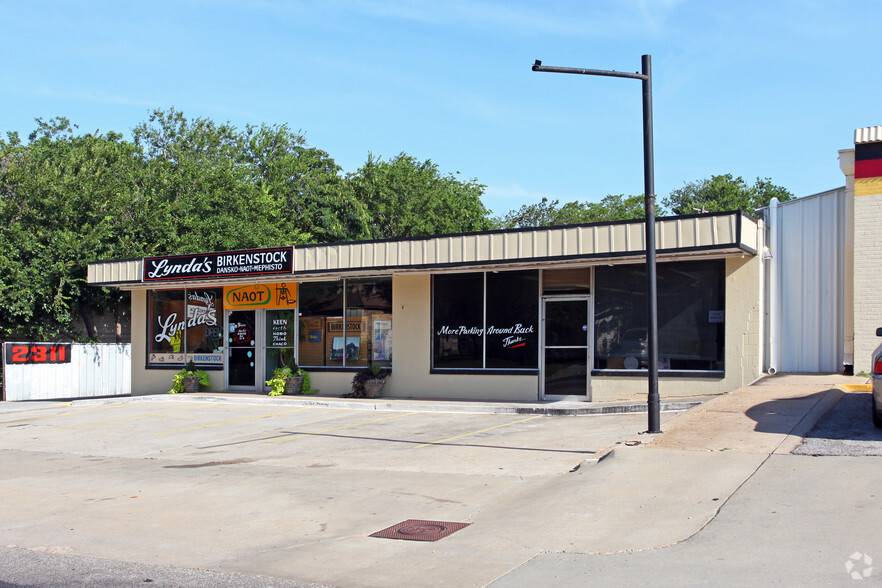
x=589 y=355
x=259 y=350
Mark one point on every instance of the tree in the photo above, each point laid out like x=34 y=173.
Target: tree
x=724 y=192
x=408 y=198
x=611 y=208
x=187 y=185
x=64 y=200
x=204 y=190
x=306 y=183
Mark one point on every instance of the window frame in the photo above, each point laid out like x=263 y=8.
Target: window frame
x=184 y=333
x=676 y=372
x=345 y=320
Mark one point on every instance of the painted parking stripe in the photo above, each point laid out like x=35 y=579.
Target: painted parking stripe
x=340 y=427
x=481 y=431
x=260 y=416
x=137 y=416
x=59 y=414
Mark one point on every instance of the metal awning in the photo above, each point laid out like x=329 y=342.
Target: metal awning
x=723 y=234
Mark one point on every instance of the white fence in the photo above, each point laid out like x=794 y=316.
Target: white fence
x=42 y=371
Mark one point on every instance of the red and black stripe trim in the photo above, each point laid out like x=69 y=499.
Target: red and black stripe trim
x=868 y=160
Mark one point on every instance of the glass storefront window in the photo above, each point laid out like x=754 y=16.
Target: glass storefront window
x=691 y=327
x=166 y=327
x=321 y=321
x=487 y=322
x=185 y=325
x=512 y=320
x=280 y=334
x=458 y=321
x=346 y=323
x=369 y=322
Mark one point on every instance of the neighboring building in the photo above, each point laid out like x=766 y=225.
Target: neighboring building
x=823 y=279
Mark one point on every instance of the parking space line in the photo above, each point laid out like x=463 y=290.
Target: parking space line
x=260 y=416
x=137 y=416
x=481 y=431
x=58 y=414
x=340 y=427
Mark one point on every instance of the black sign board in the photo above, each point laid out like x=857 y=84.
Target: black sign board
x=253 y=262
x=19 y=353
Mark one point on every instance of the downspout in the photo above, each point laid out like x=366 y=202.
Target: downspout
x=773 y=287
x=762 y=224
x=846 y=164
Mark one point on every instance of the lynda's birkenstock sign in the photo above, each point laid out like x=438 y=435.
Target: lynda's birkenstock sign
x=254 y=262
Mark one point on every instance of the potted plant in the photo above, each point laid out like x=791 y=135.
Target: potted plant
x=189 y=379
x=290 y=379
x=369 y=382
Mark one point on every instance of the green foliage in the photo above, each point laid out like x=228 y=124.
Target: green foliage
x=65 y=199
x=404 y=197
x=280 y=378
x=189 y=371
x=551 y=213
x=723 y=193
x=717 y=194
x=182 y=186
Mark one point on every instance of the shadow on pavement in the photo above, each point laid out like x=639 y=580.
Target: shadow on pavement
x=846 y=429
x=781 y=416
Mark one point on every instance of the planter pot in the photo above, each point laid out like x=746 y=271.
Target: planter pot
x=373 y=388
x=191 y=384
x=293 y=385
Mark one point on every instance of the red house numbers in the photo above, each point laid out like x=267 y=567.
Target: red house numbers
x=19 y=353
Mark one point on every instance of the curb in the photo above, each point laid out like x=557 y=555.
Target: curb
x=548 y=409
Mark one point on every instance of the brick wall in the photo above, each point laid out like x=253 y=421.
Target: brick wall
x=867 y=277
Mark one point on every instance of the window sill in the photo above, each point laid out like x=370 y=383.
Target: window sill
x=484 y=372
x=709 y=374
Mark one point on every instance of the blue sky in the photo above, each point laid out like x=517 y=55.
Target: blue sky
x=755 y=88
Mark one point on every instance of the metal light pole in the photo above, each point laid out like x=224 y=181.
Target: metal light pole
x=652 y=400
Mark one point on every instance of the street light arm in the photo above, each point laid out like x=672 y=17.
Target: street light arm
x=537 y=66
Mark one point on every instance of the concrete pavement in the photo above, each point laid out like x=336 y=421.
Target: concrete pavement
x=311 y=520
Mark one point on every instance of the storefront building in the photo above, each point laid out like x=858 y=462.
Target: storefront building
x=515 y=315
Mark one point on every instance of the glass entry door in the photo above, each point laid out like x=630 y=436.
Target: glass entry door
x=566 y=350
x=242 y=360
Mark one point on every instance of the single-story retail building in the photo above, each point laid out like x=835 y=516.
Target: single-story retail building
x=514 y=315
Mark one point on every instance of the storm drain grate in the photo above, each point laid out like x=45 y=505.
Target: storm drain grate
x=416 y=530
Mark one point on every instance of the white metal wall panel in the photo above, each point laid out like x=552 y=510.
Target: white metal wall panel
x=94 y=370
x=809 y=259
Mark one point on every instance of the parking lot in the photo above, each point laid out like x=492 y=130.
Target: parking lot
x=200 y=434
x=288 y=491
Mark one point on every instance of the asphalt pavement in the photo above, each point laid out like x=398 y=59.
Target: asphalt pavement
x=293 y=493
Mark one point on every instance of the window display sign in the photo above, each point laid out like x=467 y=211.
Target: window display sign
x=254 y=262
x=382 y=341
x=281 y=295
x=486 y=321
